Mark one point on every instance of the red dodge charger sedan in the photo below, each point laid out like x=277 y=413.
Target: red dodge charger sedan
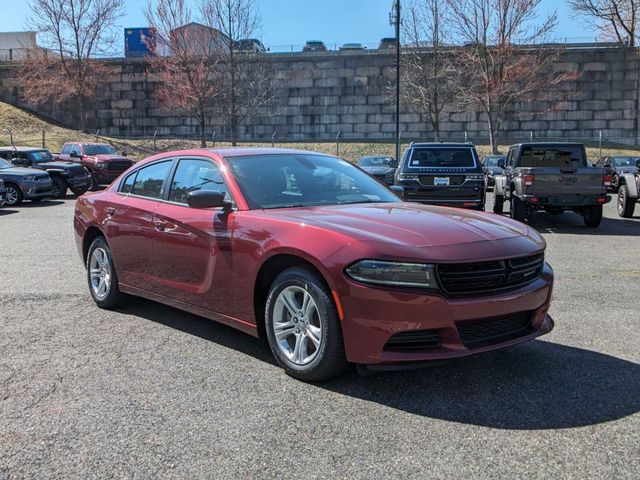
x=312 y=253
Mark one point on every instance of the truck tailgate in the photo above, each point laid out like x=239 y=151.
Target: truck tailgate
x=553 y=181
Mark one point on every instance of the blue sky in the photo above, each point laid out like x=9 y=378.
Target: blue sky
x=292 y=22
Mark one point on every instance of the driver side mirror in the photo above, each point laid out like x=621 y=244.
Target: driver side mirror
x=207 y=199
x=393 y=164
x=124 y=153
x=501 y=163
x=74 y=154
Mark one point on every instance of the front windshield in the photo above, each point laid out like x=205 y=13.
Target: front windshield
x=374 y=162
x=492 y=161
x=40 y=156
x=624 y=161
x=301 y=180
x=4 y=164
x=98 y=150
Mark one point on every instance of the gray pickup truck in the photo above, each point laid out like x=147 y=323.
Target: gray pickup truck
x=628 y=192
x=553 y=177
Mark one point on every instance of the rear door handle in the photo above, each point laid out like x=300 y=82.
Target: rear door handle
x=110 y=211
x=161 y=226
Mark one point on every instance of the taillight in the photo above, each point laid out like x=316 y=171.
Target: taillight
x=528 y=180
x=606 y=179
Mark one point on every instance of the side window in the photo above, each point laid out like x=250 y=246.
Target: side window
x=127 y=184
x=74 y=149
x=193 y=174
x=6 y=155
x=149 y=180
x=66 y=149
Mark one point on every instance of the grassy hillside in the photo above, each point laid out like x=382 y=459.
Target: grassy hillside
x=27 y=131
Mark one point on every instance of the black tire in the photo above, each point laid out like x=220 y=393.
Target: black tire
x=14 y=193
x=329 y=358
x=498 y=204
x=112 y=298
x=593 y=216
x=59 y=187
x=79 y=191
x=94 y=184
x=518 y=209
x=626 y=205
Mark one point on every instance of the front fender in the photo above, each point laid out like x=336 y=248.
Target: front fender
x=500 y=181
x=629 y=179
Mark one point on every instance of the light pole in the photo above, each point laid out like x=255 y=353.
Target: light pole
x=394 y=19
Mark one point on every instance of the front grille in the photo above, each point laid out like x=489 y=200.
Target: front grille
x=414 y=340
x=454 y=180
x=482 y=277
x=119 y=165
x=77 y=172
x=494 y=330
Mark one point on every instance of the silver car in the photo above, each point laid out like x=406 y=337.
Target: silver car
x=24 y=183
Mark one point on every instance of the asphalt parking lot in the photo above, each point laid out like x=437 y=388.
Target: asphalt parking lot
x=150 y=392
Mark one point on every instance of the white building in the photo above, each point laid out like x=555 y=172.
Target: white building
x=13 y=45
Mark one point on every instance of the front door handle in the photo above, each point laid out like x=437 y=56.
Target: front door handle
x=110 y=211
x=161 y=226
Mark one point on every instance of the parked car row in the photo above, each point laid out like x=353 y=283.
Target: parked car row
x=387 y=43
x=30 y=173
x=532 y=177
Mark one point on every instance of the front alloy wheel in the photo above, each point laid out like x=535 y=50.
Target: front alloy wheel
x=14 y=195
x=302 y=326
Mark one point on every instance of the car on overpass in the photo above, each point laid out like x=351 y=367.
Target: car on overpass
x=312 y=253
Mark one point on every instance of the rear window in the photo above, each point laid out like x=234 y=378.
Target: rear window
x=555 y=156
x=441 y=157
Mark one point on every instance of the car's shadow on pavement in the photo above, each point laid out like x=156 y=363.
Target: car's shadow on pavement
x=42 y=203
x=537 y=385
x=6 y=211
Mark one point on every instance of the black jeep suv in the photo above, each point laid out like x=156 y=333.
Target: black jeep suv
x=63 y=174
x=442 y=174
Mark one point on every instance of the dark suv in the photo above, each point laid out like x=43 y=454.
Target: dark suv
x=442 y=174
x=64 y=175
x=617 y=166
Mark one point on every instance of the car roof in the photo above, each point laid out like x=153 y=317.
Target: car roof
x=23 y=149
x=549 y=144
x=442 y=145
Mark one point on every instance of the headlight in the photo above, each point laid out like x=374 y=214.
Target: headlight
x=28 y=178
x=397 y=274
x=101 y=166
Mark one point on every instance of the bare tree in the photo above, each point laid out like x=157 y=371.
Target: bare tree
x=426 y=81
x=247 y=79
x=188 y=78
x=73 y=33
x=500 y=62
x=615 y=19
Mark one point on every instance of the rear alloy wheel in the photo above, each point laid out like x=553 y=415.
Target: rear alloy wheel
x=14 y=195
x=518 y=208
x=59 y=187
x=102 y=277
x=593 y=216
x=626 y=205
x=498 y=204
x=302 y=326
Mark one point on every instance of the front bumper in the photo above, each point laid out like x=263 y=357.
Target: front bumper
x=459 y=196
x=105 y=177
x=39 y=189
x=79 y=182
x=373 y=315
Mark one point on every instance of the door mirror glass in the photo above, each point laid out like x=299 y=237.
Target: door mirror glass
x=393 y=164
x=74 y=154
x=206 y=199
x=124 y=153
x=501 y=163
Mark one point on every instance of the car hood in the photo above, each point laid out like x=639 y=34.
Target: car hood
x=108 y=158
x=378 y=170
x=58 y=164
x=626 y=169
x=19 y=171
x=408 y=224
